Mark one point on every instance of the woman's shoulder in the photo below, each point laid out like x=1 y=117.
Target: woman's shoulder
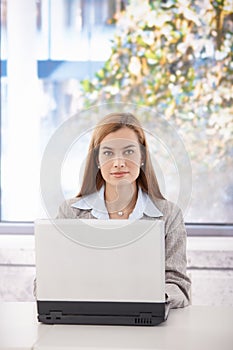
x=67 y=210
x=69 y=202
x=166 y=207
x=172 y=214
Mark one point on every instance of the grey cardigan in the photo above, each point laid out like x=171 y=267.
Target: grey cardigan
x=177 y=282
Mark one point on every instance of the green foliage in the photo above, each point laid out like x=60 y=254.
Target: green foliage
x=177 y=57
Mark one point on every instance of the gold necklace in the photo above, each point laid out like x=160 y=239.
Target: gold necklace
x=123 y=212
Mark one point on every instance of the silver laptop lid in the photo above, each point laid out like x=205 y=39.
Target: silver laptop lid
x=100 y=260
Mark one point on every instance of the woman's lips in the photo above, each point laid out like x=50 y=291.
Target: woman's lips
x=120 y=173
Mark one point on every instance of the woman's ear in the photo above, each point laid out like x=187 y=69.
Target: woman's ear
x=96 y=157
x=143 y=157
x=97 y=162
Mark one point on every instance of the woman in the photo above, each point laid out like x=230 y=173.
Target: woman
x=119 y=183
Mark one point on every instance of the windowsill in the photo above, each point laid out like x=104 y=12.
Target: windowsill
x=26 y=242
x=16 y=228
x=193 y=230
x=20 y=236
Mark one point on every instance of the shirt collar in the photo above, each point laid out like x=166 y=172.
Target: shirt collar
x=95 y=202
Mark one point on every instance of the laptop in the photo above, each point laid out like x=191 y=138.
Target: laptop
x=102 y=272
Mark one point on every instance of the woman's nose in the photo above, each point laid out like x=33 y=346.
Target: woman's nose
x=119 y=162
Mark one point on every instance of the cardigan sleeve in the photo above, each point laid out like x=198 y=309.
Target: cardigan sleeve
x=177 y=282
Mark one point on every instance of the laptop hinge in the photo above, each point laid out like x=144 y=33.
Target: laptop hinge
x=54 y=315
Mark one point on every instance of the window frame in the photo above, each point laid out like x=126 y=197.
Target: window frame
x=20 y=228
x=193 y=230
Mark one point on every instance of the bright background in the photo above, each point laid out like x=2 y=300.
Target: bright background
x=172 y=56
x=59 y=57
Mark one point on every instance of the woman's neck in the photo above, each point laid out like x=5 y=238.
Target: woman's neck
x=120 y=200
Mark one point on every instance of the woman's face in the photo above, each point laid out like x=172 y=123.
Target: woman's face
x=120 y=157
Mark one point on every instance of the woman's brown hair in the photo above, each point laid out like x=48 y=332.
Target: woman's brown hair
x=93 y=180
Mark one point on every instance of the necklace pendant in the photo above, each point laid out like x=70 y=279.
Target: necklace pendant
x=120 y=213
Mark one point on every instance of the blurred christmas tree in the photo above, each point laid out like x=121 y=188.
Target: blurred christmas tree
x=175 y=56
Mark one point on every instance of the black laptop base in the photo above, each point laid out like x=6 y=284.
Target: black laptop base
x=102 y=313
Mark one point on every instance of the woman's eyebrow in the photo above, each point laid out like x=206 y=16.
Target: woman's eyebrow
x=129 y=146
x=110 y=148
x=106 y=147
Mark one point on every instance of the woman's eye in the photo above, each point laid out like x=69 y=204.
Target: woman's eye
x=129 y=151
x=107 y=153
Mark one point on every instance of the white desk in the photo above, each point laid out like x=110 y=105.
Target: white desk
x=192 y=328
x=19 y=328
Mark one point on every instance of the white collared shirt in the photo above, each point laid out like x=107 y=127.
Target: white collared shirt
x=95 y=202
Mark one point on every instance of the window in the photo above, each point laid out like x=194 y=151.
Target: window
x=46 y=51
